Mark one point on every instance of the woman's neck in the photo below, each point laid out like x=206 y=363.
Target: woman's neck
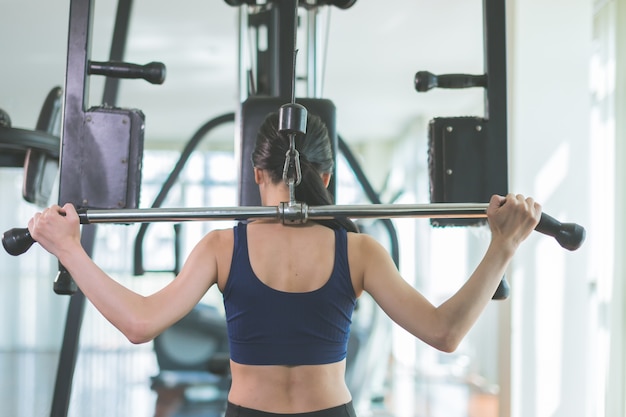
x=274 y=195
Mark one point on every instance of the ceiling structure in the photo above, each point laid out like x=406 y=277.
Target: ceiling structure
x=373 y=51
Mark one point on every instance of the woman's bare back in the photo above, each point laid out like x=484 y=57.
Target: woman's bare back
x=290 y=259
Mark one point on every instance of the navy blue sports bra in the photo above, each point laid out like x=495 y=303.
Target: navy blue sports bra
x=272 y=327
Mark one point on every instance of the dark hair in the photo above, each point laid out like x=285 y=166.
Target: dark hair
x=316 y=158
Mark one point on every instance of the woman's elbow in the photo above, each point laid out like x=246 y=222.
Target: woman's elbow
x=447 y=342
x=138 y=332
x=448 y=347
x=138 y=339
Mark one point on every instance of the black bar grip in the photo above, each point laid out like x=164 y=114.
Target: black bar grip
x=569 y=235
x=64 y=283
x=153 y=72
x=17 y=241
x=503 y=290
x=425 y=81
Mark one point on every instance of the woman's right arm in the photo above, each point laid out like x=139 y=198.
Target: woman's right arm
x=140 y=318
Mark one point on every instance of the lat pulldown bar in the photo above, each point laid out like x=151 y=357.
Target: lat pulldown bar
x=569 y=235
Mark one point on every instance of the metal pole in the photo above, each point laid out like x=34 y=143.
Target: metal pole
x=311 y=60
x=569 y=235
x=118 y=48
x=294 y=213
x=380 y=211
x=70 y=345
x=153 y=215
x=494 y=38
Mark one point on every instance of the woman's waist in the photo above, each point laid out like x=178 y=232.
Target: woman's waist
x=289 y=389
x=343 y=410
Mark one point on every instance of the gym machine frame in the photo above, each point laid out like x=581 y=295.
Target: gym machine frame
x=79 y=122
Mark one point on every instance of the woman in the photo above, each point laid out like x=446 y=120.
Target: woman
x=289 y=290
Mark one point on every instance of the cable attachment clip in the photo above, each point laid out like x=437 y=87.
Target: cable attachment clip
x=292 y=174
x=292 y=118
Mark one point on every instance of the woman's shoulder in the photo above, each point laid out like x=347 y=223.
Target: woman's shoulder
x=362 y=241
x=363 y=251
x=218 y=239
x=363 y=248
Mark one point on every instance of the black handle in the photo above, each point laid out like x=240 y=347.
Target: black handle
x=17 y=241
x=153 y=72
x=569 y=235
x=503 y=290
x=425 y=81
x=64 y=283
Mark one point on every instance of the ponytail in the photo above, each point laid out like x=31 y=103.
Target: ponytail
x=316 y=158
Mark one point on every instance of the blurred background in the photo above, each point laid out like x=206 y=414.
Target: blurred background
x=555 y=347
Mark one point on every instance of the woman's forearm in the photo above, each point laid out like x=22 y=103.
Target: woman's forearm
x=460 y=312
x=125 y=309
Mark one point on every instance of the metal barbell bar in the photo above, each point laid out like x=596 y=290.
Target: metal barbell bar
x=285 y=212
x=569 y=235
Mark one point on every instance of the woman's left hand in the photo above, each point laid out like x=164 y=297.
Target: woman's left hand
x=512 y=218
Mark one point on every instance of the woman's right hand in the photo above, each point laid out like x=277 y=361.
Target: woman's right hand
x=56 y=229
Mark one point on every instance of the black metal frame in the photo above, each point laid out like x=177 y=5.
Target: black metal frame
x=275 y=64
x=76 y=99
x=494 y=35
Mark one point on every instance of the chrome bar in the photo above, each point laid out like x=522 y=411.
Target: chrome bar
x=433 y=210
x=286 y=212
x=152 y=215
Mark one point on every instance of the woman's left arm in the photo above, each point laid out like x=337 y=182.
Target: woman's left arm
x=511 y=220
